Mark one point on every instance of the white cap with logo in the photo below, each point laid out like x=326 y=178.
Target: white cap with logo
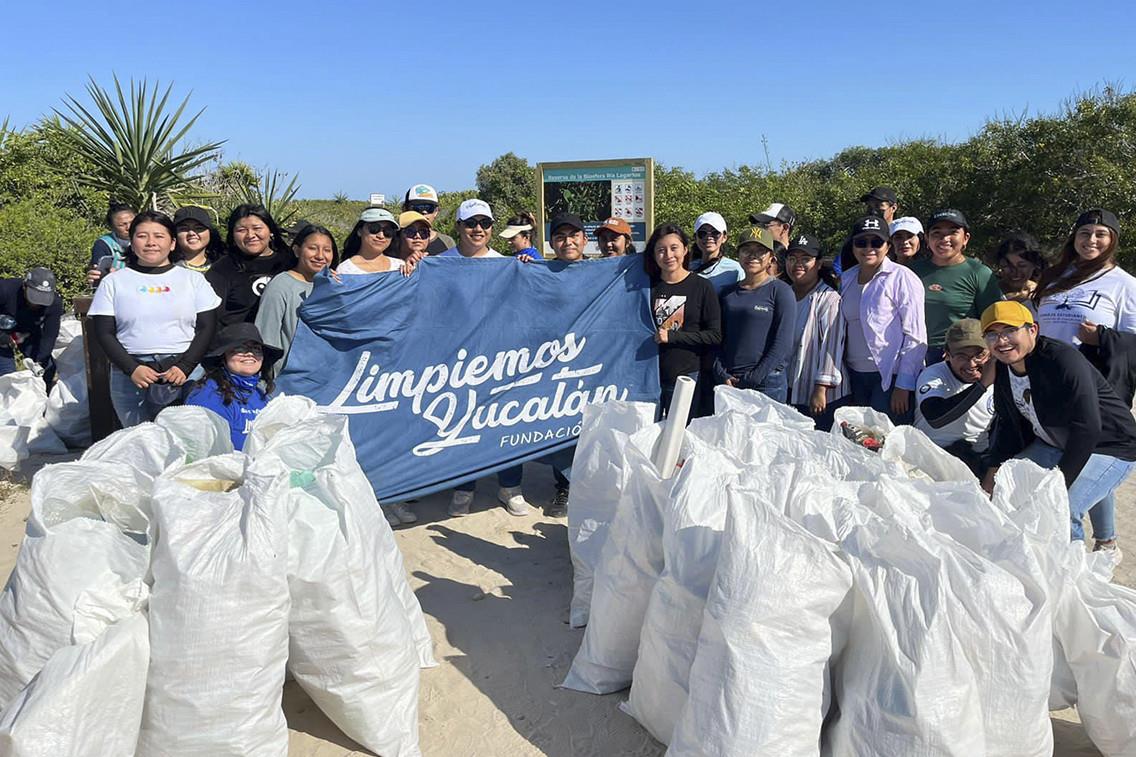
x=471 y=208
x=714 y=219
x=906 y=223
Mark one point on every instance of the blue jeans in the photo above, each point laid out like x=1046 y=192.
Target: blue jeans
x=133 y=405
x=775 y=387
x=866 y=392
x=1095 y=484
x=7 y=363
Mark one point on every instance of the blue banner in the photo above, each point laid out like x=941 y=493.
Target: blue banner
x=470 y=366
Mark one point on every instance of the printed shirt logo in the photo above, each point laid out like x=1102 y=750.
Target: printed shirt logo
x=1088 y=302
x=935 y=288
x=259 y=283
x=154 y=290
x=670 y=313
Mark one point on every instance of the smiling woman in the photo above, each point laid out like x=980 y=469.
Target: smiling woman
x=256 y=253
x=153 y=319
x=279 y=311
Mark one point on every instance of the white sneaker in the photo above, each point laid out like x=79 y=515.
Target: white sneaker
x=404 y=514
x=459 y=503
x=513 y=500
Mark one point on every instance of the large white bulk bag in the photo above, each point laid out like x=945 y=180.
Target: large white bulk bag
x=200 y=432
x=598 y=480
x=759 y=681
x=218 y=617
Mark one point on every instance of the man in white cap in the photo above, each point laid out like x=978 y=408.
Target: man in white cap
x=475 y=231
x=423 y=198
x=711 y=263
x=779 y=218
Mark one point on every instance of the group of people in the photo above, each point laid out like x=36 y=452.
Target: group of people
x=1029 y=360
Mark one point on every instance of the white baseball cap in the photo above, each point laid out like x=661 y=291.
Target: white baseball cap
x=421 y=193
x=907 y=223
x=712 y=218
x=470 y=208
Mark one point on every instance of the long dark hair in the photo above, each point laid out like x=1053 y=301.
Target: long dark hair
x=1023 y=245
x=158 y=217
x=276 y=242
x=1070 y=270
x=354 y=242
x=306 y=232
x=229 y=391
x=661 y=231
x=214 y=251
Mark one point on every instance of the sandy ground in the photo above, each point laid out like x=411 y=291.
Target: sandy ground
x=495 y=589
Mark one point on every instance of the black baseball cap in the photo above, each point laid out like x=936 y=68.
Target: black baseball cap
x=565 y=219
x=39 y=287
x=949 y=215
x=885 y=194
x=1098 y=215
x=873 y=225
x=805 y=243
x=193 y=213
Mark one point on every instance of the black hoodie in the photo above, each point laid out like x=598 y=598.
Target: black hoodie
x=240 y=280
x=1074 y=403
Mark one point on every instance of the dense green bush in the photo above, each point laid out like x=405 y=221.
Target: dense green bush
x=34 y=232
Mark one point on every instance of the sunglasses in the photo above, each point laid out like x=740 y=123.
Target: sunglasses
x=413 y=233
x=248 y=349
x=864 y=242
x=705 y=233
x=381 y=227
x=425 y=208
x=482 y=221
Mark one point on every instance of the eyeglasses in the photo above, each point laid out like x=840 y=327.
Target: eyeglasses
x=708 y=233
x=482 y=221
x=993 y=337
x=864 y=242
x=388 y=230
x=425 y=208
x=416 y=233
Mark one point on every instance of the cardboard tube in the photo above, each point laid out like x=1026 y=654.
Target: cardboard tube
x=670 y=441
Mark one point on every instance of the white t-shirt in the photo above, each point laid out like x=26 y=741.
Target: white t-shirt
x=1106 y=300
x=939 y=380
x=1023 y=400
x=155 y=312
x=347 y=267
x=856 y=352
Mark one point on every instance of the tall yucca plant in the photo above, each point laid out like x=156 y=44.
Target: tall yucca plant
x=133 y=143
x=278 y=199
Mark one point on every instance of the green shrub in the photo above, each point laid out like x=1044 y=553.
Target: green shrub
x=36 y=233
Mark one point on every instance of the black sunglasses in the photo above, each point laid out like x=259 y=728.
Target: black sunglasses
x=865 y=242
x=708 y=233
x=425 y=208
x=416 y=233
x=482 y=221
x=381 y=227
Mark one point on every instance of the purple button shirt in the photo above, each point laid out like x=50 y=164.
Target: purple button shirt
x=891 y=314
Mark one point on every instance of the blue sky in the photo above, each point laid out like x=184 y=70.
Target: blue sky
x=366 y=97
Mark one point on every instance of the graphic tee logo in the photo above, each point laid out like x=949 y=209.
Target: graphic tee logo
x=154 y=290
x=1088 y=302
x=670 y=312
x=259 y=283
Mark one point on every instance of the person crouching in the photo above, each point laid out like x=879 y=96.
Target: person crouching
x=233 y=386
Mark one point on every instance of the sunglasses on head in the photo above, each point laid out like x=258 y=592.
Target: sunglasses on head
x=482 y=221
x=425 y=208
x=381 y=227
x=864 y=242
x=416 y=233
x=707 y=232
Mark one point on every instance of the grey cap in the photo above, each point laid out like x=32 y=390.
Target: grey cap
x=39 y=287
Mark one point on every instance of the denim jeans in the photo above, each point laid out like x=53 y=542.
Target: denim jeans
x=1095 y=484
x=7 y=363
x=775 y=387
x=561 y=463
x=133 y=405
x=507 y=479
x=866 y=392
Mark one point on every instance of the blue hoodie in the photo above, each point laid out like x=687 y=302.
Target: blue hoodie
x=241 y=412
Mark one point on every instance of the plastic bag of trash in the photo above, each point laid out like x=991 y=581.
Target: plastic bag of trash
x=630 y=562
x=759 y=407
x=770 y=617
x=147 y=448
x=350 y=642
x=200 y=432
x=218 y=616
x=321 y=442
x=67 y=411
x=599 y=478
x=87 y=699
x=116 y=494
x=693 y=518
x=23 y=430
x=77 y=568
x=279 y=414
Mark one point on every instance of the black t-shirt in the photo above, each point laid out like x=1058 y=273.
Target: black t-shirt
x=239 y=282
x=37 y=328
x=690 y=312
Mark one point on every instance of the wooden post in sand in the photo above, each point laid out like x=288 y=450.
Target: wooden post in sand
x=104 y=422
